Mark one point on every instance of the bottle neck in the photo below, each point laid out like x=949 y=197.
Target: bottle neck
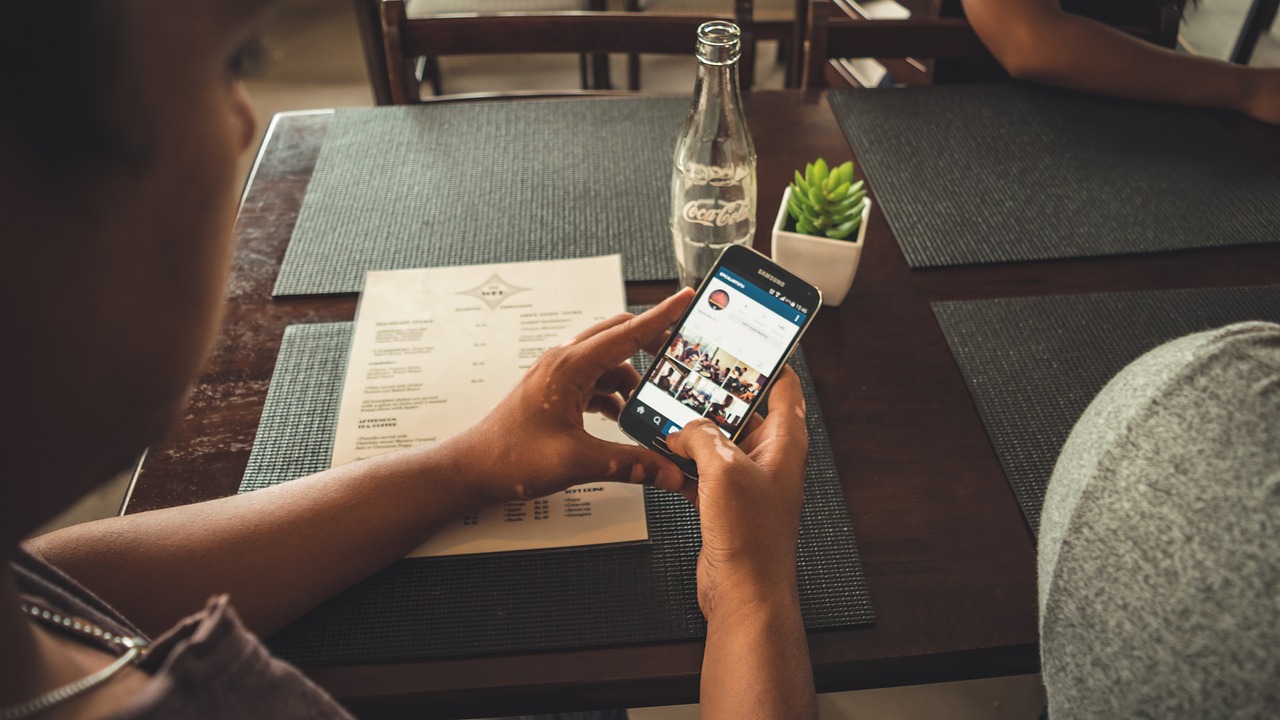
x=717 y=87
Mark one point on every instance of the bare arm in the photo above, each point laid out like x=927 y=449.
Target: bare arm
x=1035 y=40
x=283 y=550
x=757 y=656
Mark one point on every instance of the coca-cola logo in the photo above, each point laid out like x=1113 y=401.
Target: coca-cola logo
x=712 y=214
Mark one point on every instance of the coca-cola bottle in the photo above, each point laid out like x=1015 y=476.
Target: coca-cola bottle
x=713 y=185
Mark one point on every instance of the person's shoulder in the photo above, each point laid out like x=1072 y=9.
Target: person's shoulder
x=1180 y=394
x=1153 y=549
x=1164 y=394
x=211 y=665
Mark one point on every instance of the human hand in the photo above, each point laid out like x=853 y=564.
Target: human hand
x=533 y=443
x=1263 y=99
x=749 y=497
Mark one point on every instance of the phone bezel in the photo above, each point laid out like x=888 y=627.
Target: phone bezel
x=745 y=262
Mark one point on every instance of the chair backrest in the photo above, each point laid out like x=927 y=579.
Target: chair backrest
x=778 y=20
x=837 y=29
x=369 y=27
x=406 y=39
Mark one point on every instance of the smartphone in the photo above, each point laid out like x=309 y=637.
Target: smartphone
x=724 y=353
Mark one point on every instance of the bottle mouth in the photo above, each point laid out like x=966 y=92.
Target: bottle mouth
x=719 y=43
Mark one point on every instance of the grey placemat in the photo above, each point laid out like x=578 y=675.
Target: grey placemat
x=473 y=183
x=1034 y=364
x=998 y=173
x=483 y=604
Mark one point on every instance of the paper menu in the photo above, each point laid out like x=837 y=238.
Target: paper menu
x=434 y=349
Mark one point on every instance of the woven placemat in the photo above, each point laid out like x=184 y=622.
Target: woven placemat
x=998 y=173
x=425 y=608
x=476 y=183
x=1034 y=364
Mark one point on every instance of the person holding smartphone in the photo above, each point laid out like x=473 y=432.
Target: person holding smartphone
x=119 y=199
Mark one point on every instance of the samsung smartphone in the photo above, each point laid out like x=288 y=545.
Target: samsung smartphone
x=724 y=353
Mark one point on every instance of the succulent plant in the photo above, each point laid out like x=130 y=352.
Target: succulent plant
x=826 y=202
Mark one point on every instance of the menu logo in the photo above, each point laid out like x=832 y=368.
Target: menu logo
x=494 y=291
x=712 y=214
x=783 y=283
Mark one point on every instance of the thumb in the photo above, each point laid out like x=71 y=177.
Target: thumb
x=616 y=462
x=702 y=442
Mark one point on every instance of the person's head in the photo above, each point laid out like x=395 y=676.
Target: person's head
x=119 y=141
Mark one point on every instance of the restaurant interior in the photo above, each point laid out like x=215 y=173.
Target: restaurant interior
x=315 y=60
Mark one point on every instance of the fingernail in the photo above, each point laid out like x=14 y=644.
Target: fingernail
x=637 y=474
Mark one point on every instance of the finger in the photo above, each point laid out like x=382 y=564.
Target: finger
x=620 y=341
x=604 y=460
x=657 y=345
x=689 y=489
x=784 y=432
x=600 y=327
x=620 y=379
x=702 y=442
x=609 y=406
x=786 y=400
x=753 y=424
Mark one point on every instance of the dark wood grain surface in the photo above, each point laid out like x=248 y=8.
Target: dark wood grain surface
x=949 y=559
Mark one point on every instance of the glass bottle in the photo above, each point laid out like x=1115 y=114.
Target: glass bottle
x=713 y=184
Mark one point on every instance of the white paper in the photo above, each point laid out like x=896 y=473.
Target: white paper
x=435 y=349
x=883 y=10
x=868 y=72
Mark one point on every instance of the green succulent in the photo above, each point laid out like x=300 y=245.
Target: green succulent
x=825 y=202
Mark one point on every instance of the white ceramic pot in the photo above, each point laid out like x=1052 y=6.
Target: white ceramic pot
x=827 y=264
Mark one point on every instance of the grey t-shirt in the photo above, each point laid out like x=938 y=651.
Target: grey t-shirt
x=1159 y=558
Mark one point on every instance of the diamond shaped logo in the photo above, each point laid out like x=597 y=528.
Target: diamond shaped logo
x=494 y=291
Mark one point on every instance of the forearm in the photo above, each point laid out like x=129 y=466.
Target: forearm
x=1036 y=41
x=756 y=663
x=278 y=552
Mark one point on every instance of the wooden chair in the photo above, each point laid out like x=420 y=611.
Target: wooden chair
x=837 y=29
x=369 y=25
x=405 y=39
x=770 y=20
x=593 y=71
x=920 y=50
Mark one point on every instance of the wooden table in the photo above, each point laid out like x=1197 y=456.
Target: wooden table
x=949 y=559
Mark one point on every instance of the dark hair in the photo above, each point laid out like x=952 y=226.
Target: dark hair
x=59 y=59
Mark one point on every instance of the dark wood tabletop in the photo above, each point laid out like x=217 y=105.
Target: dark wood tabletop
x=949 y=559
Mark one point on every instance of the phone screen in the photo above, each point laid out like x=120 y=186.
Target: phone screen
x=721 y=357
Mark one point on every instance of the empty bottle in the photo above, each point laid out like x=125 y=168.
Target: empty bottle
x=713 y=184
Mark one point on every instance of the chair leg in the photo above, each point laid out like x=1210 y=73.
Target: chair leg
x=784 y=59
x=1259 y=19
x=600 y=71
x=633 y=60
x=599 y=63
x=584 y=74
x=429 y=71
x=633 y=72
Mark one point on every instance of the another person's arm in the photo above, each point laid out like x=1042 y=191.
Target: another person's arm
x=757 y=656
x=280 y=551
x=1036 y=40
